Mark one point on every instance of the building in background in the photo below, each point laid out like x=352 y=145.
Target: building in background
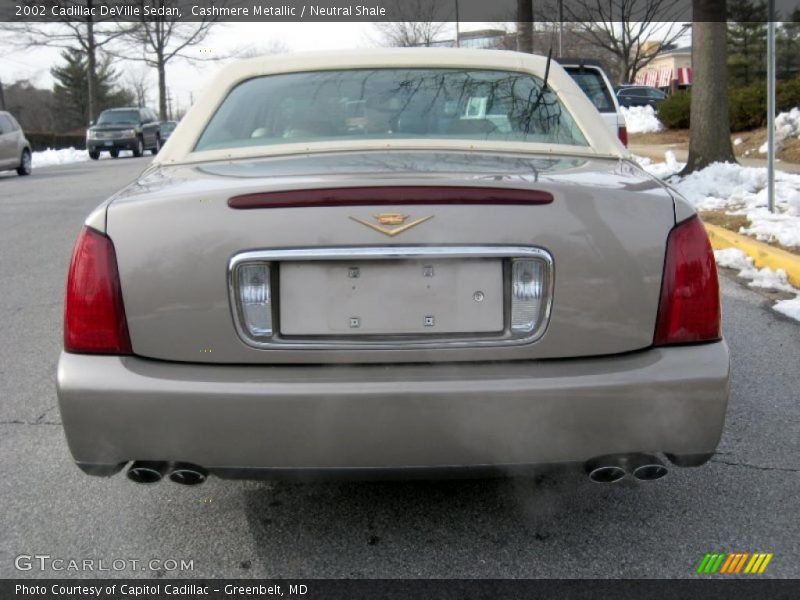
x=486 y=39
x=670 y=70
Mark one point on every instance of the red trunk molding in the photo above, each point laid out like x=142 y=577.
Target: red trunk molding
x=371 y=196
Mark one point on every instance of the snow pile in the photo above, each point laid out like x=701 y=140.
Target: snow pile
x=790 y=308
x=766 y=278
x=49 y=157
x=661 y=170
x=740 y=191
x=782 y=227
x=787 y=125
x=641 y=119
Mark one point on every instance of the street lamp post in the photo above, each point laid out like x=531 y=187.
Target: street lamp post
x=771 y=107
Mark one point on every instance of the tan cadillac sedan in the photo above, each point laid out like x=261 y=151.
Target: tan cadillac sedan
x=419 y=260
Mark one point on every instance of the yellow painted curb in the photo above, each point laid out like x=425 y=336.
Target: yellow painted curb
x=763 y=255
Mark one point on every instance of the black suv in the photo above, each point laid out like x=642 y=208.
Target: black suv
x=639 y=95
x=136 y=129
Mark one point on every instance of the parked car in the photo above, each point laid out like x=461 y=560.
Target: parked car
x=167 y=127
x=594 y=82
x=407 y=259
x=640 y=95
x=15 y=150
x=136 y=129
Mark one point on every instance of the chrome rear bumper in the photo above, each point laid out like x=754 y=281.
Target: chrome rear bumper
x=240 y=418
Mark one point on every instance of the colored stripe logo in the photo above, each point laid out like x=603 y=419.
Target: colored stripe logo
x=734 y=563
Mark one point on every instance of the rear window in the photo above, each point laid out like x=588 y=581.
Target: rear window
x=390 y=103
x=594 y=86
x=634 y=93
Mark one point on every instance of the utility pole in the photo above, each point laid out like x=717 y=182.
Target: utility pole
x=2 y=97
x=771 y=106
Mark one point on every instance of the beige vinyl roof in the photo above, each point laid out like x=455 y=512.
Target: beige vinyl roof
x=178 y=149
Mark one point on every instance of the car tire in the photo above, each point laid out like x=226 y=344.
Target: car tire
x=94 y=155
x=155 y=150
x=114 y=153
x=139 y=150
x=25 y=163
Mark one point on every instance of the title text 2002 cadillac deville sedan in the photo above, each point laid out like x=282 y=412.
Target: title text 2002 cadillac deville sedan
x=396 y=260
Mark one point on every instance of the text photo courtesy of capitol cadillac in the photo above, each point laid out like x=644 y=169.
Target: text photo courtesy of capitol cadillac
x=399 y=299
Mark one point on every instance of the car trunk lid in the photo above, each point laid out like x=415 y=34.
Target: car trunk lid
x=602 y=230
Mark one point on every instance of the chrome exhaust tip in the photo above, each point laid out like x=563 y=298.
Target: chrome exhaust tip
x=605 y=469
x=187 y=474
x=147 y=471
x=646 y=467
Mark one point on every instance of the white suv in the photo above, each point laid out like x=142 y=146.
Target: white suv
x=594 y=82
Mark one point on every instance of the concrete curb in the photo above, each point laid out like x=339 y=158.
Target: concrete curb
x=763 y=255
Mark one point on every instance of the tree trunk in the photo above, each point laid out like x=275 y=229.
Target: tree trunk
x=525 y=26
x=710 y=135
x=92 y=66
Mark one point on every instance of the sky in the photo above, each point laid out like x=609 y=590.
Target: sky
x=184 y=79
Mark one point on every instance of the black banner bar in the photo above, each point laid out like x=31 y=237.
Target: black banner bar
x=544 y=11
x=397 y=589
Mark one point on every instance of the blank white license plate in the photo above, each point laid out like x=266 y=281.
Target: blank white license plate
x=109 y=143
x=391 y=297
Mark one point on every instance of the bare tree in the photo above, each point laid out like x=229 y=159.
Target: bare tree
x=710 y=131
x=634 y=31
x=157 y=42
x=275 y=46
x=90 y=34
x=421 y=24
x=137 y=81
x=32 y=107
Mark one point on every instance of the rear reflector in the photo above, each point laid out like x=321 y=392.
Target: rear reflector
x=255 y=299
x=527 y=294
x=370 y=196
x=94 y=316
x=689 y=309
x=623 y=135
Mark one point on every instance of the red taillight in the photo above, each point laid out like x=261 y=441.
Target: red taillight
x=94 y=316
x=689 y=308
x=622 y=131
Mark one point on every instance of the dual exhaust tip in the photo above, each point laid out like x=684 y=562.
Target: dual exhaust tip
x=612 y=468
x=148 y=471
x=603 y=469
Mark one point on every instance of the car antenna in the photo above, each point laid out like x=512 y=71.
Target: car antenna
x=547 y=68
x=544 y=83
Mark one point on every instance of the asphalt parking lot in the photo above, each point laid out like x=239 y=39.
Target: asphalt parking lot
x=558 y=524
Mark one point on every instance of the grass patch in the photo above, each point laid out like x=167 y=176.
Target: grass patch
x=723 y=219
x=668 y=136
x=751 y=141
